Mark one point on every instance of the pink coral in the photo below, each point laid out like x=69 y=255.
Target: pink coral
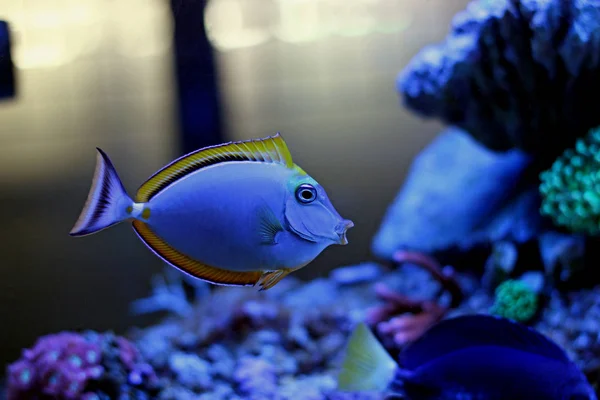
x=63 y=365
x=403 y=319
x=58 y=365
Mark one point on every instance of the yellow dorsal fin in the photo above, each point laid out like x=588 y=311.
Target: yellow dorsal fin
x=271 y=149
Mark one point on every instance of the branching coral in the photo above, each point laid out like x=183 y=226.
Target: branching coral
x=513 y=73
x=69 y=365
x=515 y=300
x=571 y=187
x=169 y=294
x=405 y=319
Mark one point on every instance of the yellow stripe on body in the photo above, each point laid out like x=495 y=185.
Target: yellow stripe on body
x=181 y=261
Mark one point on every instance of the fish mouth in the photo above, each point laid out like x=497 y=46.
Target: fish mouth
x=341 y=230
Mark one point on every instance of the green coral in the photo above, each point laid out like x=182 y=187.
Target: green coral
x=515 y=300
x=571 y=187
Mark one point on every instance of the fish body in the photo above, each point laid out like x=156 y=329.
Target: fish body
x=490 y=373
x=240 y=214
x=220 y=227
x=475 y=357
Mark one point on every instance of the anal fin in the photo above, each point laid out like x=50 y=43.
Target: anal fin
x=272 y=278
x=192 y=267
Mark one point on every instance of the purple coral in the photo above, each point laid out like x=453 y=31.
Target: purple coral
x=255 y=375
x=69 y=365
x=58 y=365
x=513 y=73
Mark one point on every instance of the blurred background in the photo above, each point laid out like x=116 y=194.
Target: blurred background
x=150 y=80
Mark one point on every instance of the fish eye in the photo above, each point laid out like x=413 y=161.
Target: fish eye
x=306 y=193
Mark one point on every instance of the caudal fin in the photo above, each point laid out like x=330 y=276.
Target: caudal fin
x=367 y=366
x=107 y=202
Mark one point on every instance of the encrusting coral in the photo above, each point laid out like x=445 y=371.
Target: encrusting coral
x=88 y=366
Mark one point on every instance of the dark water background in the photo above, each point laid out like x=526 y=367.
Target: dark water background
x=105 y=73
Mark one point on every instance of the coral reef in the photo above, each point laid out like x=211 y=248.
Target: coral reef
x=514 y=80
x=513 y=74
x=169 y=293
x=571 y=187
x=517 y=76
x=282 y=344
x=403 y=319
x=86 y=366
x=515 y=300
x=289 y=343
x=459 y=194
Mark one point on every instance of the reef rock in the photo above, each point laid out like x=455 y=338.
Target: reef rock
x=458 y=194
x=513 y=73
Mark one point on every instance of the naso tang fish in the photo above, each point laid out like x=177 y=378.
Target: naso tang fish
x=240 y=213
x=470 y=357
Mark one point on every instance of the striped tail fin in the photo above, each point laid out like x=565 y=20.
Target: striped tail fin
x=107 y=203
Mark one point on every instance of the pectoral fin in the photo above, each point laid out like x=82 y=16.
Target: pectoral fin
x=268 y=225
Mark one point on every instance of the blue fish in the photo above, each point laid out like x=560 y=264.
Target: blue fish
x=239 y=214
x=470 y=357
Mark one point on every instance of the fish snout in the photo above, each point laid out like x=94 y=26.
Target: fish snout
x=341 y=229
